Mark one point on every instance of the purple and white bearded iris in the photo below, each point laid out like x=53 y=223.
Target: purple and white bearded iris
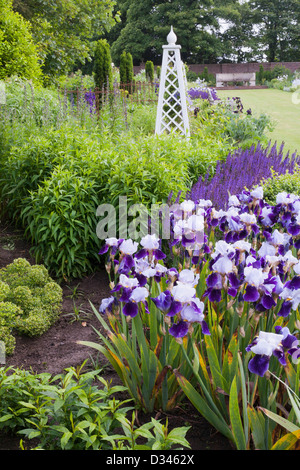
x=110 y=243
x=291 y=296
x=259 y=288
x=107 y=304
x=137 y=296
x=268 y=344
x=127 y=249
x=150 y=244
x=191 y=308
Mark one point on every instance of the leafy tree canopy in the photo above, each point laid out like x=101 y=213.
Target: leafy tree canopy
x=147 y=25
x=64 y=29
x=18 y=53
x=208 y=30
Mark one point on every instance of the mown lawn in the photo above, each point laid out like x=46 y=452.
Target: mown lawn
x=277 y=104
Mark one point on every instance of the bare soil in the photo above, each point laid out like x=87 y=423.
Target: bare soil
x=57 y=349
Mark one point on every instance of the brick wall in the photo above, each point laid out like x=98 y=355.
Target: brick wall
x=235 y=68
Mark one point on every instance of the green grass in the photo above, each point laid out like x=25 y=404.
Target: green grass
x=279 y=106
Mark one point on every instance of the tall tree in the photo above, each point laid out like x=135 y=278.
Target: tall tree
x=236 y=31
x=148 y=23
x=102 y=65
x=278 y=31
x=64 y=29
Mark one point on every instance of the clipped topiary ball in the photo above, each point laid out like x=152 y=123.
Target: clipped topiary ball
x=4 y=290
x=31 y=301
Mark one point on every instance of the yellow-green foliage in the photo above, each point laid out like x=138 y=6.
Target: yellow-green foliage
x=18 y=53
x=289 y=183
x=30 y=301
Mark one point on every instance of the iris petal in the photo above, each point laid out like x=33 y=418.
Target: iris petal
x=268 y=301
x=259 y=364
x=163 y=301
x=285 y=309
x=126 y=264
x=179 y=330
x=251 y=294
x=130 y=309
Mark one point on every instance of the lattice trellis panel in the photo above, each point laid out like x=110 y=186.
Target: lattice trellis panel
x=172 y=104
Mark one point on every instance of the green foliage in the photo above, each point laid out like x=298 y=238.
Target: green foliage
x=18 y=53
x=150 y=357
x=151 y=168
x=9 y=313
x=76 y=81
x=289 y=183
x=77 y=410
x=274 y=17
x=123 y=69
x=126 y=72
x=60 y=221
x=268 y=76
x=56 y=171
x=149 y=69
x=102 y=65
x=144 y=38
x=65 y=31
x=225 y=121
x=30 y=301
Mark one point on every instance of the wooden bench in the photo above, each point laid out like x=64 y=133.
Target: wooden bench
x=247 y=78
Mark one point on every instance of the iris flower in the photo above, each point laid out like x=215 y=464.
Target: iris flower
x=137 y=296
x=267 y=344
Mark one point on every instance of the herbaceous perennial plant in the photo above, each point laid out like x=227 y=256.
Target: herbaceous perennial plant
x=220 y=326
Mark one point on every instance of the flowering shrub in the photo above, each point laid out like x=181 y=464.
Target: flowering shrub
x=243 y=168
x=227 y=118
x=202 y=91
x=221 y=316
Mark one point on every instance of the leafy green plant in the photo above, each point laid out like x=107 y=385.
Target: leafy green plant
x=291 y=424
x=61 y=218
x=156 y=436
x=78 y=314
x=227 y=120
x=31 y=301
x=143 y=357
x=76 y=410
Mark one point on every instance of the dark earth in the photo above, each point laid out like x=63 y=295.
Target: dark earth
x=58 y=349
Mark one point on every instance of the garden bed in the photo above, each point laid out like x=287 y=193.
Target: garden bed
x=57 y=349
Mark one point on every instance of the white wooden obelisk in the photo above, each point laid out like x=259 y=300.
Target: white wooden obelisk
x=172 y=111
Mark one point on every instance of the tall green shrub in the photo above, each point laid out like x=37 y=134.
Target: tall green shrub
x=123 y=67
x=129 y=63
x=260 y=74
x=102 y=65
x=149 y=69
x=126 y=71
x=18 y=53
